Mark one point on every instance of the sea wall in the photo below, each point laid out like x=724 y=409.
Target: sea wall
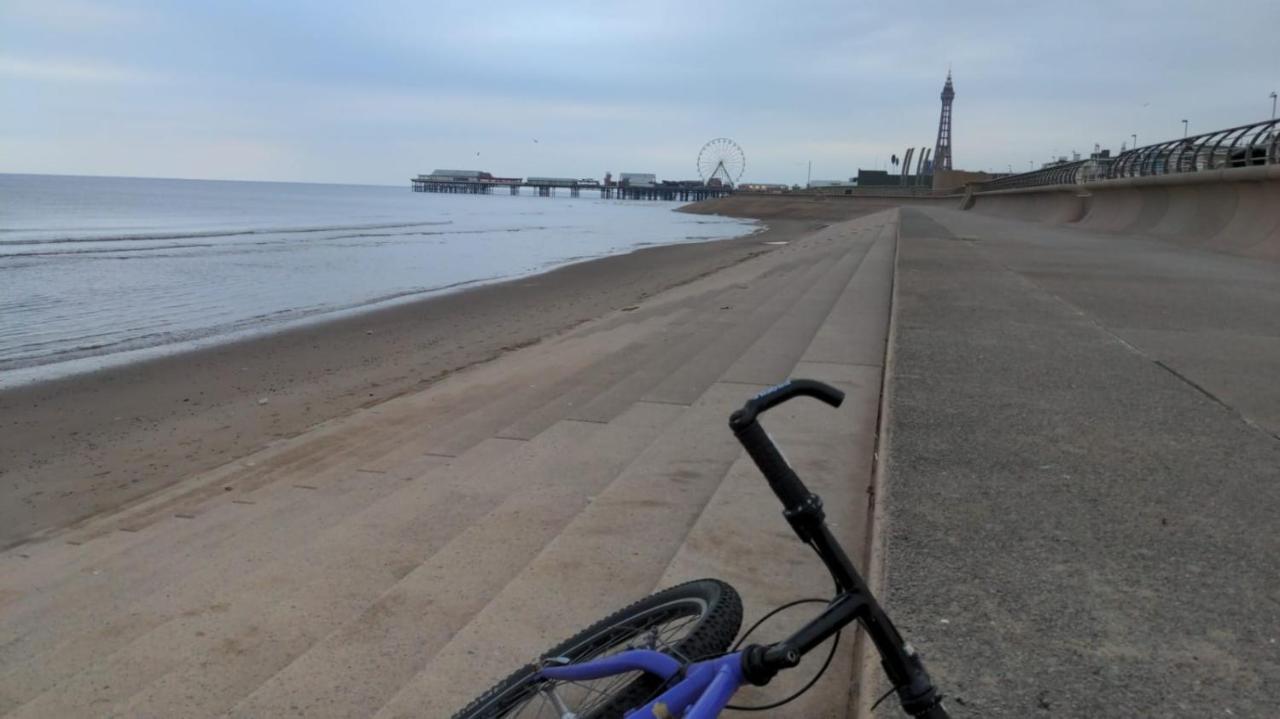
x=1235 y=210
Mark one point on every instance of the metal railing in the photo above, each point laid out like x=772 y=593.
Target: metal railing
x=1067 y=173
x=1244 y=146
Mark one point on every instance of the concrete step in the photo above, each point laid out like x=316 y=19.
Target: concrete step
x=770 y=359
x=691 y=320
x=610 y=554
x=254 y=521
x=855 y=332
x=364 y=662
x=701 y=310
x=286 y=603
x=53 y=633
x=743 y=302
x=708 y=366
x=231 y=514
x=345 y=443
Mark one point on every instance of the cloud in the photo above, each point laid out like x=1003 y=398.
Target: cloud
x=73 y=15
x=377 y=92
x=73 y=71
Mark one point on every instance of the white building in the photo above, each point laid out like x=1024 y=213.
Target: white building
x=638 y=179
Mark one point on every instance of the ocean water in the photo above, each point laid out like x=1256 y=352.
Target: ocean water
x=96 y=271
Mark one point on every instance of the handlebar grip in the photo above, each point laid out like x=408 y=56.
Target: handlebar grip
x=778 y=394
x=782 y=479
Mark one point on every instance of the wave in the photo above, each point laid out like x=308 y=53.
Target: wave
x=205 y=234
x=152 y=250
x=34 y=354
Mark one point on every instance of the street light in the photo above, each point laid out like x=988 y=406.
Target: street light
x=1135 y=140
x=1184 y=128
x=1273 y=104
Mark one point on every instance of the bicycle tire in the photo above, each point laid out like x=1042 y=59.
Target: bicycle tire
x=712 y=634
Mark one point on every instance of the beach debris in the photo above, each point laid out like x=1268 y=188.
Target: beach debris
x=264 y=400
x=632 y=308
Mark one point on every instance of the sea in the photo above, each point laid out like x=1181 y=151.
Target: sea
x=96 y=271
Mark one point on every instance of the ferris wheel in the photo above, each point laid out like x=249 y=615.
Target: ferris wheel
x=721 y=159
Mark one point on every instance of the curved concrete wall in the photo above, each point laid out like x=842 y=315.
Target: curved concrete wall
x=1059 y=203
x=1235 y=210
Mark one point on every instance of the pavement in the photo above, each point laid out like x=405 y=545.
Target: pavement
x=1082 y=494
x=398 y=561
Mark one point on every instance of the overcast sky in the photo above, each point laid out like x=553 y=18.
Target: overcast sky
x=374 y=92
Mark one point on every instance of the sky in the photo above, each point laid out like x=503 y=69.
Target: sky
x=376 y=92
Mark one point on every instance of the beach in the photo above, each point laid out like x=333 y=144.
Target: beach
x=496 y=467
x=89 y=443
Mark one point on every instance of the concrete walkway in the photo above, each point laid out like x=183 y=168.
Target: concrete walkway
x=398 y=561
x=1083 y=471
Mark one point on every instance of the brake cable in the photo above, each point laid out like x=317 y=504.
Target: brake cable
x=821 y=670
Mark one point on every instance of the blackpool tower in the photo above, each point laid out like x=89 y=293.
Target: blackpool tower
x=942 y=151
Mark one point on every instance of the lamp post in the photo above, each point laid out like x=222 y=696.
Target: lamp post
x=1184 y=128
x=1135 y=140
x=1273 y=104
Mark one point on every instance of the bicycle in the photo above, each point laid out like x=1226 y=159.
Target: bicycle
x=668 y=656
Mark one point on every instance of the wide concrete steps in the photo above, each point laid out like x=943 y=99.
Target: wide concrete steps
x=402 y=559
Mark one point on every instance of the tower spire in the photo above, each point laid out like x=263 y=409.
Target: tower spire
x=942 y=150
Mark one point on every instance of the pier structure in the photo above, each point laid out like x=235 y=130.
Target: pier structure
x=630 y=186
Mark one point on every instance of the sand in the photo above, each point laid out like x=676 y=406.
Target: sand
x=831 y=208
x=87 y=444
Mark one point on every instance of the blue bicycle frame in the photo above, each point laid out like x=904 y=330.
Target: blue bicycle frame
x=706 y=688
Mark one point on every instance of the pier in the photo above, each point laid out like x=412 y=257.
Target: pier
x=472 y=182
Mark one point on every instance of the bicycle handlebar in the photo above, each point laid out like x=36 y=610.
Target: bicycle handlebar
x=803 y=511
x=795 y=497
x=778 y=394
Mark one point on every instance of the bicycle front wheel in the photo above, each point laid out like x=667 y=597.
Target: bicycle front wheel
x=692 y=621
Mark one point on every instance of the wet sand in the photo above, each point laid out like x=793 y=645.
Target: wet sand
x=78 y=446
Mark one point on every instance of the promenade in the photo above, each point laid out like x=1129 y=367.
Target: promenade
x=1084 y=449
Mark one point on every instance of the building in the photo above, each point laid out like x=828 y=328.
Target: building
x=553 y=181
x=763 y=187
x=883 y=178
x=637 y=179
x=457 y=176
